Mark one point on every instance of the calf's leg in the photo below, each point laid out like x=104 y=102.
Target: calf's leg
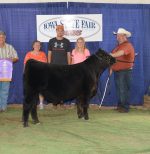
x=79 y=109
x=26 y=111
x=30 y=105
x=34 y=114
x=85 y=106
x=85 y=112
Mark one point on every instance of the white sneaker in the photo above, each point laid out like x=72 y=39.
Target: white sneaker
x=41 y=106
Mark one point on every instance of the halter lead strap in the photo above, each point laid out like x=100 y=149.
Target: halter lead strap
x=123 y=61
x=98 y=57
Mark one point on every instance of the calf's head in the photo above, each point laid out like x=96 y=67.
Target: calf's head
x=105 y=58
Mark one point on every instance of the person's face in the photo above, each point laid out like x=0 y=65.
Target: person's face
x=121 y=38
x=2 y=39
x=80 y=43
x=36 y=46
x=60 y=32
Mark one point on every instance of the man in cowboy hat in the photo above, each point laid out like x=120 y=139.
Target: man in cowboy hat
x=124 y=53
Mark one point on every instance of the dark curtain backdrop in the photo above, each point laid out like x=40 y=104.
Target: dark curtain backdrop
x=19 y=23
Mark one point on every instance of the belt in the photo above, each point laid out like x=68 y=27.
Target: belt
x=125 y=69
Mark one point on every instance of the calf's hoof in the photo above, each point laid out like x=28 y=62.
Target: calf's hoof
x=86 y=117
x=36 y=122
x=80 y=116
x=25 y=124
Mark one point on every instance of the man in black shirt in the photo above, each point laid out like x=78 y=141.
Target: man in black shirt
x=59 y=48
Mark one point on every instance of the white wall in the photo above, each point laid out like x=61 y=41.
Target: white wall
x=86 y=1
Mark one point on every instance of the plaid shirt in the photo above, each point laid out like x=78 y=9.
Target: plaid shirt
x=8 y=51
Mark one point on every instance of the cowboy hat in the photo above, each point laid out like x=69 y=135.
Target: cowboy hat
x=123 y=31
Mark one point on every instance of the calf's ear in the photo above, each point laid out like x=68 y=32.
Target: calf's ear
x=100 y=49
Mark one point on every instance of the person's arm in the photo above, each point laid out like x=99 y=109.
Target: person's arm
x=110 y=71
x=44 y=58
x=27 y=57
x=14 y=55
x=49 y=56
x=118 y=53
x=87 y=53
x=68 y=49
x=50 y=46
x=72 y=57
x=68 y=58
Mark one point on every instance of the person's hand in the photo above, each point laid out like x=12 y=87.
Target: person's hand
x=14 y=60
x=110 y=71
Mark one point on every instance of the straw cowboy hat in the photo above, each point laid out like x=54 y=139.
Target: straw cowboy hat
x=123 y=31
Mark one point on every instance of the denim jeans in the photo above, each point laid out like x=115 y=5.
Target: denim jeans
x=123 y=84
x=4 y=90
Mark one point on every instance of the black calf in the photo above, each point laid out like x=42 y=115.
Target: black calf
x=63 y=82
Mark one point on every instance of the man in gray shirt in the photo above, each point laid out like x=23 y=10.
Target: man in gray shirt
x=7 y=52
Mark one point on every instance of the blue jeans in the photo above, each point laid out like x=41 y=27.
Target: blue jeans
x=4 y=90
x=123 y=84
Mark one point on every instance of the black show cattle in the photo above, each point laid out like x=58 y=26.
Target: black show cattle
x=63 y=82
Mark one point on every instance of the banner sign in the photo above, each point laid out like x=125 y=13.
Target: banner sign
x=88 y=26
x=6 y=68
